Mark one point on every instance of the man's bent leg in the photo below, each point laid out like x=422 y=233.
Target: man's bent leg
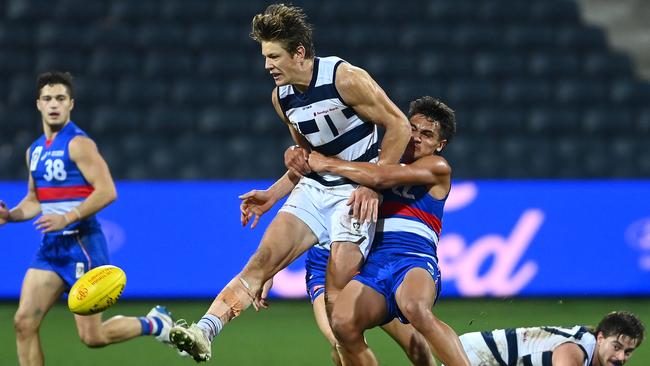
x=286 y=238
x=415 y=297
x=412 y=342
x=344 y=262
x=39 y=292
x=95 y=333
x=358 y=308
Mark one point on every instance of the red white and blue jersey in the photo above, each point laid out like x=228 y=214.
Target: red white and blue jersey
x=329 y=125
x=410 y=221
x=59 y=184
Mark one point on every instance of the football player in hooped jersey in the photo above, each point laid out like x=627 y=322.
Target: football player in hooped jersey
x=400 y=279
x=612 y=343
x=69 y=182
x=331 y=107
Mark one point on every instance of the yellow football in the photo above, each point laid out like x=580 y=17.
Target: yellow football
x=97 y=290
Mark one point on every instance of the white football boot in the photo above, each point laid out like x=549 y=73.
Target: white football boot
x=165 y=317
x=191 y=340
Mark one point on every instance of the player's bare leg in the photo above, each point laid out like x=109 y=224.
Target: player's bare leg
x=286 y=238
x=412 y=342
x=344 y=262
x=39 y=292
x=357 y=308
x=95 y=333
x=324 y=325
x=415 y=298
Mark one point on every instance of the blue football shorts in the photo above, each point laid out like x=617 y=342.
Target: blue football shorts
x=384 y=271
x=316 y=267
x=70 y=256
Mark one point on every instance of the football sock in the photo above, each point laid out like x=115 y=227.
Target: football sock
x=151 y=325
x=210 y=325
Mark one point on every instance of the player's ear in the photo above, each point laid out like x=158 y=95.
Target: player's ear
x=300 y=53
x=441 y=145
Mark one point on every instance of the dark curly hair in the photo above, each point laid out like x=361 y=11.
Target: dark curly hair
x=435 y=111
x=621 y=323
x=285 y=24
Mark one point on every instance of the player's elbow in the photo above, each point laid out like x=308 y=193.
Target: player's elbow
x=109 y=195
x=112 y=197
x=402 y=127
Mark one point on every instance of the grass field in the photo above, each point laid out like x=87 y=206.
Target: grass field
x=286 y=334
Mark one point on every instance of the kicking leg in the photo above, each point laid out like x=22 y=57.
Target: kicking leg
x=39 y=292
x=415 y=297
x=286 y=238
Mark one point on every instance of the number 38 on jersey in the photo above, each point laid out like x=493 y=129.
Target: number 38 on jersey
x=54 y=169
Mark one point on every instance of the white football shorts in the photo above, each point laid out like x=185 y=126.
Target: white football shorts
x=325 y=211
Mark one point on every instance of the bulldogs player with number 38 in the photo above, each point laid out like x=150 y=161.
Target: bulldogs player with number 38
x=69 y=182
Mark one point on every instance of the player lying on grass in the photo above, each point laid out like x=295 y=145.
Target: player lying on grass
x=611 y=343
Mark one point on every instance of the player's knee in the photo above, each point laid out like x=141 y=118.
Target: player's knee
x=345 y=330
x=92 y=340
x=418 y=313
x=25 y=325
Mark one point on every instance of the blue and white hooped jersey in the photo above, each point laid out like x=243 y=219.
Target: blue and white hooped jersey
x=410 y=220
x=59 y=184
x=525 y=346
x=331 y=127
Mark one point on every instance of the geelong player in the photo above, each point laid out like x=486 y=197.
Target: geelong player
x=69 y=182
x=401 y=279
x=332 y=107
x=611 y=344
x=404 y=251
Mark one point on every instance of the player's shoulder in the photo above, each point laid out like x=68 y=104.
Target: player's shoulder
x=436 y=163
x=347 y=70
x=81 y=144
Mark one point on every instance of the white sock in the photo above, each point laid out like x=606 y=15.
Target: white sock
x=210 y=325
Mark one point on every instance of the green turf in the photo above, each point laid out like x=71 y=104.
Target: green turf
x=286 y=334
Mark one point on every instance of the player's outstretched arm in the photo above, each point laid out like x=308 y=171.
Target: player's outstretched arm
x=27 y=209
x=429 y=170
x=370 y=102
x=257 y=202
